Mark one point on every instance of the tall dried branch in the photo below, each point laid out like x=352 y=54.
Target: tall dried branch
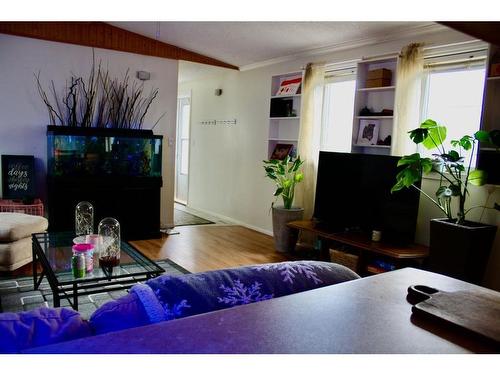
x=53 y=114
x=99 y=101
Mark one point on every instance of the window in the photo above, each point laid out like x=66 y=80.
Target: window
x=338 y=107
x=453 y=96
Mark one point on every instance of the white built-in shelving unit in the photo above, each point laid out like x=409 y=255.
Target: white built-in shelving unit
x=284 y=127
x=376 y=99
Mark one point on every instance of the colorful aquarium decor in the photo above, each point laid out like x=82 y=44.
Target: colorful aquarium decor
x=103 y=152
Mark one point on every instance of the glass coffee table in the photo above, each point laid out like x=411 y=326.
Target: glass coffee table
x=53 y=251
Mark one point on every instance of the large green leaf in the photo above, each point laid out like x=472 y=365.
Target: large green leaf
x=478 y=177
x=278 y=191
x=452 y=156
x=466 y=142
x=409 y=159
x=435 y=137
x=408 y=176
x=482 y=136
x=428 y=124
x=398 y=186
x=418 y=135
x=426 y=164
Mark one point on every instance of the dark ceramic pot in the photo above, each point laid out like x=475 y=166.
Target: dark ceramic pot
x=460 y=251
x=285 y=238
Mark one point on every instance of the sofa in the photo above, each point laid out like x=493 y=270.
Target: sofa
x=15 y=238
x=169 y=297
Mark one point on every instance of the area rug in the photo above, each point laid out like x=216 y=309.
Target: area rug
x=17 y=294
x=184 y=218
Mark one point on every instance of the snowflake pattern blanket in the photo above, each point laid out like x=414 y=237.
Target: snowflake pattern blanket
x=171 y=297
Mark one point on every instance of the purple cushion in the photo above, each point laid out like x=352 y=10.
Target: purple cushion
x=123 y=313
x=42 y=326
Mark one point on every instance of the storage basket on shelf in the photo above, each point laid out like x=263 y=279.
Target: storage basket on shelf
x=345 y=259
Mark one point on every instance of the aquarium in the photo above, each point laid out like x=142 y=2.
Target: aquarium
x=103 y=152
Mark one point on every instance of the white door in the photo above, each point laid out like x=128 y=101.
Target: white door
x=182 y=149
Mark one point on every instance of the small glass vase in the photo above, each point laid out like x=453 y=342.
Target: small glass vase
x=109 y=251
x=84 y=219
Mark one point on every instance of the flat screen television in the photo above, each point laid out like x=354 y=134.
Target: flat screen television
x=353 y=193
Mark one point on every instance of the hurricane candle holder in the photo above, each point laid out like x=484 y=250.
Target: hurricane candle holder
x=109 y=253
x=84 y=218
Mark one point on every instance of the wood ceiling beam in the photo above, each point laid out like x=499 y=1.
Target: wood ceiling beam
x=106 y=36
x=487 y=31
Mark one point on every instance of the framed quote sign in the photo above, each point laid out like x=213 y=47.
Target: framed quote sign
x=18 y=176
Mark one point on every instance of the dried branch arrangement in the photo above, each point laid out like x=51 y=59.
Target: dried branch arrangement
x=98 y=101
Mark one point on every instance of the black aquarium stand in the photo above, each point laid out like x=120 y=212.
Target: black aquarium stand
x=102 y=166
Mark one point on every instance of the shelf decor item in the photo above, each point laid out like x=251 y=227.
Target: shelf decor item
x=378 y=78
x=286 y=174
x=281 y=151
x=109 y=251
x=458 y=247
x=290 y=86
x=368 y=132
x=84 y=219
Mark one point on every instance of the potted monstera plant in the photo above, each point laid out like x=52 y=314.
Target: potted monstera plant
x=285 y=174
x=458 y=247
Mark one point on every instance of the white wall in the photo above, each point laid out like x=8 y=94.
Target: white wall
x=226 y=175
x=24 y=118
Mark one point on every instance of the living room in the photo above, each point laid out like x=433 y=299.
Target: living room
x=230 y=123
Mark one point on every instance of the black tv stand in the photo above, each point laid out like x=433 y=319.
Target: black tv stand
x=360 y=244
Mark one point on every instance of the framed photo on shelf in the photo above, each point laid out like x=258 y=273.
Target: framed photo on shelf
x=290 y=86
x=281 y=150
x=368 y=132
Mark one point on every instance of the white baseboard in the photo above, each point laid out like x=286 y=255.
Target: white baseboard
x=229 y=220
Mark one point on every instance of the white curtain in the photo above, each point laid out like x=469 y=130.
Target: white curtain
x=310 y=135
x=407 y=101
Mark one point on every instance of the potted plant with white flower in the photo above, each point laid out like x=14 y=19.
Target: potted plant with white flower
x=285 y=174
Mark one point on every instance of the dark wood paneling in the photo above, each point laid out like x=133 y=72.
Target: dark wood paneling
x=103 y=35
x=487 y=31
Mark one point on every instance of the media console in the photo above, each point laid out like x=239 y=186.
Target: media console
x=369 y=252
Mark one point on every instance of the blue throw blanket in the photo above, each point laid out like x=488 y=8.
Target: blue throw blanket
x=172 y=297
x=169 y=297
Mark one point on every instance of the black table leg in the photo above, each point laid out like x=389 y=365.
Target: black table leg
x=75 y=297
x=33 y=254
x=57 y=300
x=37 y=282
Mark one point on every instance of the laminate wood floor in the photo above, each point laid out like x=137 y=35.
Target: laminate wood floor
x=209 y=247
x=201 y=248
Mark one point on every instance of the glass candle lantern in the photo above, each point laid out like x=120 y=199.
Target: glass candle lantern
x=109 y=252
x=84 y=218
